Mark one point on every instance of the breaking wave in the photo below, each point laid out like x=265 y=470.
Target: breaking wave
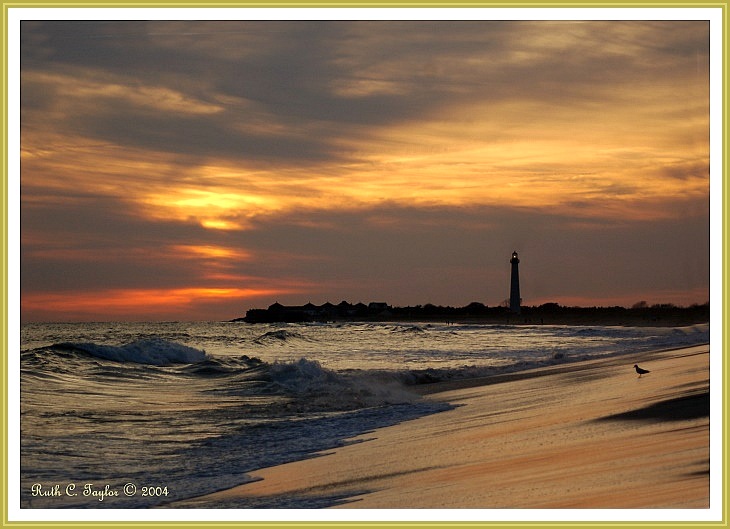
x=302 y=385
x=315 y=387
x=153 y=351
x=280 y=335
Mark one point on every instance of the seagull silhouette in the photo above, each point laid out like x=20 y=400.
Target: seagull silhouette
x=641 y=371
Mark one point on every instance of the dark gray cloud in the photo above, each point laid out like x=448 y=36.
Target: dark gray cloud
x=341 y=76
x=458 y=255
x=199 y=137
x=98 y=244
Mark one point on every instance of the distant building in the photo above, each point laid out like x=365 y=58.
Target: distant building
x=311 y=312
x=514 y=290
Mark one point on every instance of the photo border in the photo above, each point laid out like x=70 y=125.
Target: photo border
x=15 y=517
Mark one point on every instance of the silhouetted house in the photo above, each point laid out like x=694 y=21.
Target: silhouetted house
x=475 y=308
x=345 y=309
x=310 y=309
x=311 y=312
x=277 y=313
x=328 y=311
x=379 y=309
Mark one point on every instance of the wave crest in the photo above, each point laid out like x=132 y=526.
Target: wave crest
x=155 y=351
x=281 y=335
x=315 y=387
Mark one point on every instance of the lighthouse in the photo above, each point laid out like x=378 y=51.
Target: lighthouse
x=514 y=288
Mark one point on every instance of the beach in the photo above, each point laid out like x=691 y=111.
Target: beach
x=588 y=434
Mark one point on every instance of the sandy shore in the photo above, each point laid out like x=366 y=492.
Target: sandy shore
x=583 y=435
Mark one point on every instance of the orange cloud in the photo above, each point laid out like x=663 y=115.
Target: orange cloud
x=543 y=159
x=40 y=247
x=208 y=251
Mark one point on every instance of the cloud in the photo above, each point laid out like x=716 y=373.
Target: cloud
x=312 y=83
x=396 y=159
x=403 y=255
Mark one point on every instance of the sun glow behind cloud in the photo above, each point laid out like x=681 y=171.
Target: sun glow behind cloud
x=523 y=174
x=532 y=163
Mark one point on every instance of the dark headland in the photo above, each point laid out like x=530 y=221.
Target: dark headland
x=545 y=314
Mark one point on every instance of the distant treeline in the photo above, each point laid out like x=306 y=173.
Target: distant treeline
x=548 y=313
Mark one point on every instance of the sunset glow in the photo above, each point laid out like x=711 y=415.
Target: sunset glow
x=141 y=303
x=175 y=165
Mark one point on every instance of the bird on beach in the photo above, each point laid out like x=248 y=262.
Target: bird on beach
x=641 y=371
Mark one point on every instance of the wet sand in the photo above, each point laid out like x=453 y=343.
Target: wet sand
x=589 y=434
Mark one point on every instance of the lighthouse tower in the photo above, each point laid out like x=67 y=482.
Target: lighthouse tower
x=514 y=289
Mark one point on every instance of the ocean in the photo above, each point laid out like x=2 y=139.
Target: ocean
x=141 y=415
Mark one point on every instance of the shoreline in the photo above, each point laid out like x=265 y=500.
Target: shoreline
x=588 y=434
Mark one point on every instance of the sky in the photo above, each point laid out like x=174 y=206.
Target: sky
x=191 y=170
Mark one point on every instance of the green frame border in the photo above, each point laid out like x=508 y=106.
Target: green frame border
x=6 y=253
